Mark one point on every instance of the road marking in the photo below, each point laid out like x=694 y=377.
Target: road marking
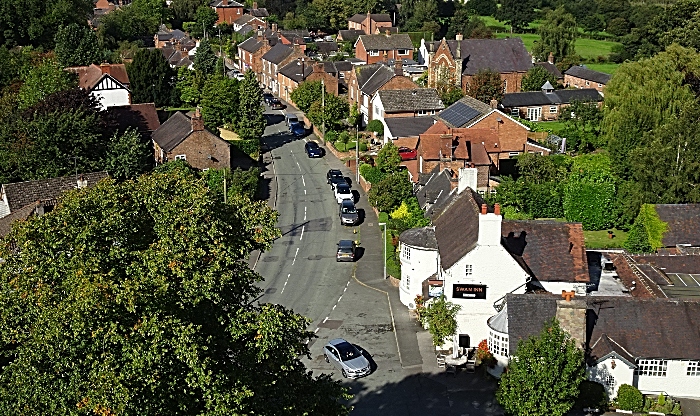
x=304 y=191
x=302 y=232
x=324 y=321
x=302 y=180
x=295 y=256
x=341 y=296
x=346 y=288
x=335 y=306
x=304 y=213
x=285 y=283
x=316 y=330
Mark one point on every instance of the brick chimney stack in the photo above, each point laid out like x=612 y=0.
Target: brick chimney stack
x=224 y=2
x=318 y=67
x=446 y=146
x=571 y=314
x=550 y=58
x=398 y=67
x=493 y=104
x=106 y=68
x=197 y=122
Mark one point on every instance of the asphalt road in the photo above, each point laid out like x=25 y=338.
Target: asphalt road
x=351 y=300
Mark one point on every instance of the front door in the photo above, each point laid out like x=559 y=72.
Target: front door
x=534 y=113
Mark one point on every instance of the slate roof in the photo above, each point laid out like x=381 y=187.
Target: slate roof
x=456 y=224
x=250 y=45
x=688 y=264
x=523 y=99
x=259 y=12
x=475 y=107
x=371 y=78
x=551 y=68
x=683 y=223
x=89 y=76
x=549 y=251
x=435 y=190
x=245 y=29
x=527 y=314
x=220 y=3
x=19 y=215
x=244 y=19
x=378 y=17
x=327 y=47
x=646 y=328
x=500 y=55
x=466 y=144
x=580 y=71
x=383 y=42
x=423 y=237
x=21 y=194
x=410 y=100
x=173 y=131
x=143 y=117
x=349 y=35
x=408 y=126
x=293 y=70
x=277 y=53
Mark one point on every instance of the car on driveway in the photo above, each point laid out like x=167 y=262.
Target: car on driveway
x=297 y=129
x=407 y=154
x=348 y=213
x=276 y=104
x=267 y=97
x=342 y=192
x=347 y=358
x=313 y=149
x=346 y=250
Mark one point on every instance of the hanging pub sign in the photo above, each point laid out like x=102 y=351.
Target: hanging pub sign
x=464 y=291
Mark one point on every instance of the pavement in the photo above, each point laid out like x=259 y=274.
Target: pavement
x=351 y=300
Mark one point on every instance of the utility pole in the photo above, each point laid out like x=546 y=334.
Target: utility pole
x=221 y=54
x=383 y=224
x=357 y=154
x=323 y=112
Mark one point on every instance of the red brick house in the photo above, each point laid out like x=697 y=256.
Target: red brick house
x=375 y=48
x=251 y=50
x=579 y=76
x=277 y=57
x=456 y=61
x=547 y=104
x=185 y=138
x=299 y=70
x=369 y=23
x=228 y=11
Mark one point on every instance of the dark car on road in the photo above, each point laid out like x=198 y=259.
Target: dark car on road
x=346 y=250
x=334 y=176
x=347 y=358
x=407 y=154
x=276 y=104
x=267 y=97
x=313 y=149
x=297 y=129
x=348 y=213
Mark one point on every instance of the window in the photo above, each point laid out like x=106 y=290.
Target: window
x=588 y=83
x=408 y=281
x=610 y=381
x=403 y=51
x=374 y=52
x=376 y=111
x=693 y=369
x=181 y=157
x=600 y=85
x=406 y=252
x=652 y=368
x=468 y=269
x=505 y=86
x=498 y=344
x=553 y=109
x=425 y=112
x=515 y=112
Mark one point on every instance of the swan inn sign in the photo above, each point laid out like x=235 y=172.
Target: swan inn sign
x=463 y=291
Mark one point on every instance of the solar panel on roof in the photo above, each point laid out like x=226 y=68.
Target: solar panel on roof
x=458 y=114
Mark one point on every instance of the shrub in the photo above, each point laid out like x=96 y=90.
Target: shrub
x=591 y=394
x=250 y=147
x=377 y=127
x=590 y=204
x=630 y=398
x=512 y=213
x=390 y=192
x=544 y=200
x=372 y=174
x=331 y=136
x=647 y=231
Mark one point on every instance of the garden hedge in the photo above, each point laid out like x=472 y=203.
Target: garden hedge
x=591 y=204
x=630 y=398
x=250 y=147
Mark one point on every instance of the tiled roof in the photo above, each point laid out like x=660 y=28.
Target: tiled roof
x=371 y=78
x=245 y=29
x=457 y=227
x=527 y=315
x=683 y=223
x=259 y=12
x=359 y=18
x=688 y=264
x=522 y=99
x=220 y=3
x=293 y=70
x=423 y=237
x=474 y=107
x=277 y=53
x=410 y=142
x=250 y=45
x=466 y=144
x=19 y=215
x=349 y=35
x=327 y=47
x=142 y=116
x=549 y=251
x=89 y=76
x=627 y=276
x=646 y=328
x=244 y=19
x=551 y=68
x=580 y=71
x=21 y=194
x=408 y=126
x=173 y=131
x=500 y=55
x=435 y=190
x=410 y=100
x=383 y=42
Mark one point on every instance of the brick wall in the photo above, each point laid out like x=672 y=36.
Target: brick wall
x=198 y=146
x=571 y=81
x=513 y=81
x=228 y=14
x=511 y=135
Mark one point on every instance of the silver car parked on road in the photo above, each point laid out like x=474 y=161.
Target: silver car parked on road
x=347 y=358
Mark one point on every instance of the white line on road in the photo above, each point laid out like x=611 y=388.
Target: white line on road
x=341 y=296
x=302 y=232
x=304 y=213
x=316 y=330
x=324 y=321
x=335 y=306
x=295 y=256
x=302 y=180
x=285 y=283
x=346 y=288
x=304 y=191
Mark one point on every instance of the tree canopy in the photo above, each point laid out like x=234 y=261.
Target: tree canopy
x=305 y=94
x=251 y=120
x=536 y=77
x=557 y=33
x=220 y=101
x=152 y=80
x=25 y=23
x=486 y=85
x=136 y=298
x=77 y=46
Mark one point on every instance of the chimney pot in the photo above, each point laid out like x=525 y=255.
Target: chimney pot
x=106 y=68
x=255 y=5
x=550 y=58
x=398 y=67
x=484 y=208
x=494 y=104
x=497 y=209
x=459 y=36
x=387 y=33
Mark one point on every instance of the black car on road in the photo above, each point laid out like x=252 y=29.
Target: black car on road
x=267 y=97
x=346 y=250
x=313 y=149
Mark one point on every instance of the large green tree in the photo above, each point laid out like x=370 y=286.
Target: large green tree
x=388 y=159
x=152 y=80
x=136 y=298
x=543 y=374
x=305 y=94
x=77 y=46
x=390 y=192
x=44 y=79
x=517 y=13
x=204 y=58
x=24 y=23
x=138 y=19
x=127 y=155
x=557 y=33
x=220 y=101
x=251 y=120
x=486 y=85
x=185 y=11
x=333 y=111
x=536 y=77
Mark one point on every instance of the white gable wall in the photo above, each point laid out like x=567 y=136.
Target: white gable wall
x=378 y=114
x=112 y=98
x=611 y=378
x=416 y=267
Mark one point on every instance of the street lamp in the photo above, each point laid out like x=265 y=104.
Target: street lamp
x=383 y=224
x=357 y=155
x=323 y=111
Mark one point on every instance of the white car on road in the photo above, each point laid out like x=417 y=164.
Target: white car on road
x=342 y=191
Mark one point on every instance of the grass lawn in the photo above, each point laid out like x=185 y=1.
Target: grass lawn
x=608 y=68
x=586 y=48
x=491 y=22
x=600 y=239
x=554 y=127
x=228 y=134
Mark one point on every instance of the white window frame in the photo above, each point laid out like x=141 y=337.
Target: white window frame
x=406 y=252
x=552 y=109
x=693 y=369
x=588 y=83
x=651 y=368
x=469 y=269
x=610 y=380
x=373 y=52
x=376 y=111
x=408 y=281
x=498 y=344
x=600 y=85
x=180 y=157
x=402 y=51
x=515 y=111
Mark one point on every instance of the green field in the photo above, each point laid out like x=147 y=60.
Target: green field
x=586 y=48
x=608 y=68
x=600 y=239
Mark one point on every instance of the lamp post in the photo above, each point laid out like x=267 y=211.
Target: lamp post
x=323 y=112
x=383 y=224
x=357 y=155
